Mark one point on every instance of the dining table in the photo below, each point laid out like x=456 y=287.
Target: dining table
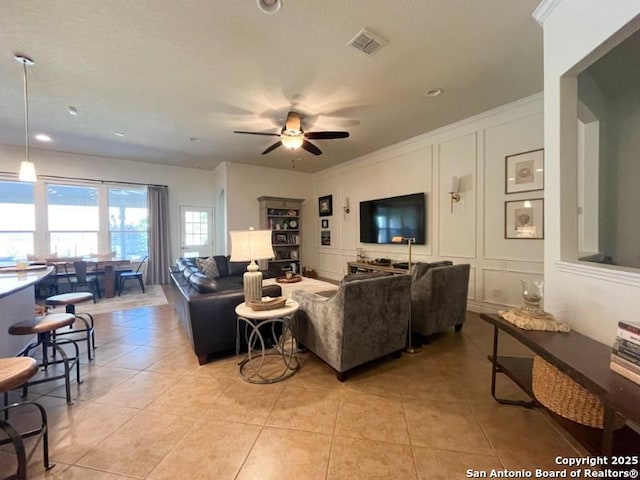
x=108 y=265
x=102 y=264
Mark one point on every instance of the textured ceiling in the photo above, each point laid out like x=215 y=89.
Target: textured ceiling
x=162 y=71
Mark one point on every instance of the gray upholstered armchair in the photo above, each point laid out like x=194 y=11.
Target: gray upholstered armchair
x=438 y=297
x=366 y=319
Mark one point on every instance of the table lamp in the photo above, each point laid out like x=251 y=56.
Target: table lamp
x=248 y=246
x=410 y=240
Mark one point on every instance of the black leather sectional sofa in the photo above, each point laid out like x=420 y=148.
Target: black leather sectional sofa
x=206 y=307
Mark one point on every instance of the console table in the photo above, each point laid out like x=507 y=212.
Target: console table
x=583 y=359
x=355 y=267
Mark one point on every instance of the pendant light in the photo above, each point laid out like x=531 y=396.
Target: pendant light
x=27 y=168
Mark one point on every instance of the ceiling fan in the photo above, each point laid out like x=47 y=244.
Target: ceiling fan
x=292 y=136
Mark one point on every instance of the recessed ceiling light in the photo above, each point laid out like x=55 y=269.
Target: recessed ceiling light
x=72 y=110
x=119 y=134
x=434 y=92
x=43 y=137
x=269 y=6
x=194 y=139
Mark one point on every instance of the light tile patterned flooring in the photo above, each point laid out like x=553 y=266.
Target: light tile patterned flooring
x=146 y=409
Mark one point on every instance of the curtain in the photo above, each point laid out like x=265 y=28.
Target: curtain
x=158 y=204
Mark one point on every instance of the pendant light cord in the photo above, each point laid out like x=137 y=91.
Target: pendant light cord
x=26 y=108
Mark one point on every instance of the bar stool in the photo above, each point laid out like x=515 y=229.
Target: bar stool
x=14 y=372
x=70 y=300
x=44 y=327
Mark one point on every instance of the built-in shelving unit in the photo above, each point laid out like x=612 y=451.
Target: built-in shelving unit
x=283 y=217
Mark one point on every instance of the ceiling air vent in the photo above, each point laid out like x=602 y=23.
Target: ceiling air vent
x=367 y=42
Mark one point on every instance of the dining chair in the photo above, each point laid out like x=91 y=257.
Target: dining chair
x=137 y=275
x=80 y=278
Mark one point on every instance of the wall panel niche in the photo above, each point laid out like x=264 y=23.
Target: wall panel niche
x=520 y=135
x=457 y=226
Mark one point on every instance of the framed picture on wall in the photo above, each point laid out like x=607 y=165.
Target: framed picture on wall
x=524 y=219
x=325 y=206
x=524 y=172
x=325 y=223
x=325 y=237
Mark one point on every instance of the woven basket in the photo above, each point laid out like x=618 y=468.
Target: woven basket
x=272 y=304
x=560 y=394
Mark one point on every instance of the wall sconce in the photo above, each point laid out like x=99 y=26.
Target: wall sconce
x=346 y=206
x=454 y=189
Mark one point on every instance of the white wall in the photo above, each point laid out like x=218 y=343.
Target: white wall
x=245 y=183
x=220 y=209
x=624 y=116
x=591 y=298
x=186 y=186
x=474 y=150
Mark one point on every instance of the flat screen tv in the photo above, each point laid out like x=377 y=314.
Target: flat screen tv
x=385 y=218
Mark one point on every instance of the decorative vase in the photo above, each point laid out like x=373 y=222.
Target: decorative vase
x=532 y=293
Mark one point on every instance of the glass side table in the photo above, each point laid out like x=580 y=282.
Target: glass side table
x=253 y=365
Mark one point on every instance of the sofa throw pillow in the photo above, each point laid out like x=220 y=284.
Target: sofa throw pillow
x=210 y=268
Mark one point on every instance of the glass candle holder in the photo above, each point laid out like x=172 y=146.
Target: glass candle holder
x=532 y=293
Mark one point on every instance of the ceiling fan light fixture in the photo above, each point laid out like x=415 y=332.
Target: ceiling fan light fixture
x=269 y=6
x=291 y=141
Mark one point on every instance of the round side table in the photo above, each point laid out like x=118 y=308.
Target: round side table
x=252 y=366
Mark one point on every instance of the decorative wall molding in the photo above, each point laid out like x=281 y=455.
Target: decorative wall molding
x=512 y=290
x=471 y=296
x=440 y=135
x=511 y=270
x=543 y=10
x=607 y=273
x=509 y=259
x=478 y=307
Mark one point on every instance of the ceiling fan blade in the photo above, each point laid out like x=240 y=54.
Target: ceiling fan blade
x=272 y=147
x=325 y=135
x=310 y=147
x=258 y=133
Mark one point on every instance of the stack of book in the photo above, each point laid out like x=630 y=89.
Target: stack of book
x=625 y=357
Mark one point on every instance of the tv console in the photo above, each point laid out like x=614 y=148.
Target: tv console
x=360 y=267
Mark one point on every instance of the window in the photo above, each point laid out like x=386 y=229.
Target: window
x=17 y=220
x=128 y=225
x=73 y=219
x=196 y=231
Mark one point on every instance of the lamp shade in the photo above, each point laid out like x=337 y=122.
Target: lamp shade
x=27 y=172
x=247 y=245
x=454 y=185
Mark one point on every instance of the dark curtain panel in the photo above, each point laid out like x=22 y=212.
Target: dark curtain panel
x=159 y=248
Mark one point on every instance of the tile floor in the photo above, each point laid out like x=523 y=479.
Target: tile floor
x=146 y=409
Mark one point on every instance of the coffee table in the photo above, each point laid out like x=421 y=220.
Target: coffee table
x=252 y=366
